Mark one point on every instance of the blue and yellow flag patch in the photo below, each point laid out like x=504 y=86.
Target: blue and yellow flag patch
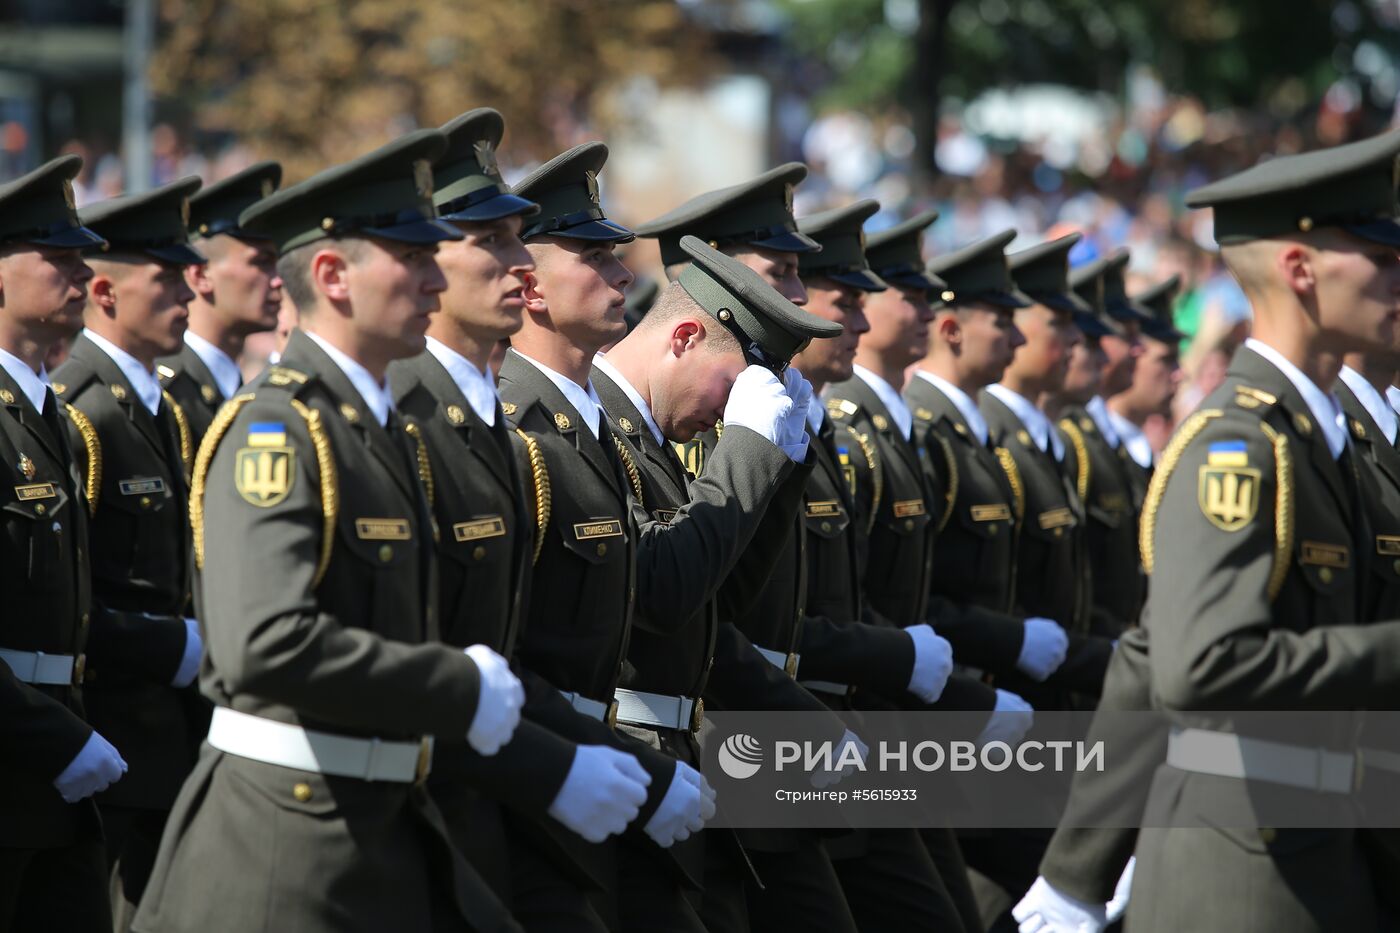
x=267 y=434
x=1227 y=454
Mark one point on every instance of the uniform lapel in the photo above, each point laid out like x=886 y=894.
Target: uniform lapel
x=194 y=367
x=620 y=407
x=32 y=421
x=111 y=374
x=476 y=434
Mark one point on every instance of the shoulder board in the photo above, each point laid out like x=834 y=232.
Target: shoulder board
x=1248 y=397
x=840 y=408
x=284 y=376
x=923 y=414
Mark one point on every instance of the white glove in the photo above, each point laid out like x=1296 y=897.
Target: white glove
x=1118 y=906
x=1043 y=648
x=688 y=803
x=498 y=707
x=1011 y=719
x=933 y=663
x=794 y=443
x=759 y=402
x=603 y=792
x=96 y=767
x=189 y=663
x=822 y=779
x=1045 y=910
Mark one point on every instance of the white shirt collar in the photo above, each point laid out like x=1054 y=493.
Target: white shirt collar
x=35 y=386
x=221 y=365
x=479 y=391
x=1392 y=395
x=1136 y=443
x=962 y=402
x=145 y=383
x=584 y=399
x=1036 y=424
x=375 y=394
x=1326 y=410
x=612 y=373
x=1371 y=400
x=816 y=417
x=903 y=417
x=1098 y=410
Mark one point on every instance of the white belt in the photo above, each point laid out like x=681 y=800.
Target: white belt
x=638 y=708
x=1380 y=758
x=593 y=709
x=1226 y=755
x=280 y=743
x=826 y=686
x=36 y=667
x=786 y=663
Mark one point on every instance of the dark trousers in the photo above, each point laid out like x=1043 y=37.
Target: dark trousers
x=543 y=899
x=895 y=885
x=55 y=889
x=649 y=895
x=1004 y=863
x=133 y=839
x=801 y=891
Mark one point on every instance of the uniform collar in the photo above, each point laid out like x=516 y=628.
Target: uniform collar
x=1392 y=395
x=1034 y=420
x=143 y=381
x=1326 y=410
x=976 y=423
x=1098 y=410
x=1371 y=400
x=479 y=391
x=611 y=371
x=35 y=386
x=584 y=398
x=894 y=404
x=1134 y=441
x=375 y=394
x=221 y=366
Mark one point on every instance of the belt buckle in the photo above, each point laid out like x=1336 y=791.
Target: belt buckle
x=425 y=760
x=79 y=669
x=697 y=715
x=611 y=717
x=790 y=667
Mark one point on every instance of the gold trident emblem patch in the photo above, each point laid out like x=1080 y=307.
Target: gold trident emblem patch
x=263 y=475
x=1229 y=496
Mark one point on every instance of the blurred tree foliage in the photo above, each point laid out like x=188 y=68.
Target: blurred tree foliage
x=315 y=81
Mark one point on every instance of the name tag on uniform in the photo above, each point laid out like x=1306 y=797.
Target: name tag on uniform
x=825 y=508
x=35 y=491
x=141 y=485
x=665 y=516
x=1326 y=555
x=1056 y=518
x=382 y=529
x=1389 y=545
x=585 y=531
x=999 y=512
x=491 y=527
x=907 y=507
x=1113 y=503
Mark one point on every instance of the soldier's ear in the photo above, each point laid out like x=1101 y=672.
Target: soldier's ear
x=686 y=335
x=197 y=278
x=948 y=328
x=1294 y=263
x=330 y=274
x=102 y=291
x=535 y=301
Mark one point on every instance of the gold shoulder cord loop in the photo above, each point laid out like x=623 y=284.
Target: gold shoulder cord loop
x=1158 y=487
x=1013 y=477
x=92 y=481
x=1283 y=510
x=425 y=466
x=631 y=467
x=1081 y=457
x=877 y=476
x=330 y=484
x=182 y=424
x=952 y=496
x=199 y=476
x=542 y=491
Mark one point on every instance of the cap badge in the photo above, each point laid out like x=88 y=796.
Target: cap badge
x=267 y=187
x=185 y=212
x=787 y=199
x=591 y=180
x=68 y=198
x=423 y=178
x=486 y=157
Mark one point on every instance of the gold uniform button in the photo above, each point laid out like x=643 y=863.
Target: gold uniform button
x=145 y=502
x=478 y=552
x=1059 y=532
x=1325 y=574
x=602 y=549
x=386 y=553
x=39 y=508
x=826 y=526
x=1267 y=835
x=908 y=524
x=1396 y=567
x=302 y=792
x=992 y=529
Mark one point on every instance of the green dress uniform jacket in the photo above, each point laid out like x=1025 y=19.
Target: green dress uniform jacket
x=139 y=547
x=190 y=383
x=317 y=604
x=1253 y=536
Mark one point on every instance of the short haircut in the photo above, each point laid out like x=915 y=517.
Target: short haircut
x=294 y=267
x=675 y=302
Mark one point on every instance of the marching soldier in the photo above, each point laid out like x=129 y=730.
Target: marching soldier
x=1254 y=533
x=136 y=448
x=53 y=871
x=1156 y=378
x=236 y=293
x=317 y=597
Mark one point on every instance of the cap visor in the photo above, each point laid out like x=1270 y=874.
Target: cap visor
x=790 y=242
x=416 y=231
x=72 y=238
x=1065 y=301
x=503 y=205
x=865 y=281
x=1386 y=232
x=921 y=281
x=600 y=230
x=179 y=254
x=1129 y=311
x=1162 y=332
x=1091 y=325
x=1015 y=298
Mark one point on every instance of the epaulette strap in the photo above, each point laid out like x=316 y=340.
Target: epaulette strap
x=283 y=376
x=1158 y=487
x=952 y=483
x=1081 y=457
x=839 y=408
x=182 y=424
x=1255 y=397
x=542 y=491
x=199 y=476
x=425 y=465
x=1013 y=478
x=631 y=466
x=92 y=481
x=877 y=476
x=330 y=484
x=1283 y=511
